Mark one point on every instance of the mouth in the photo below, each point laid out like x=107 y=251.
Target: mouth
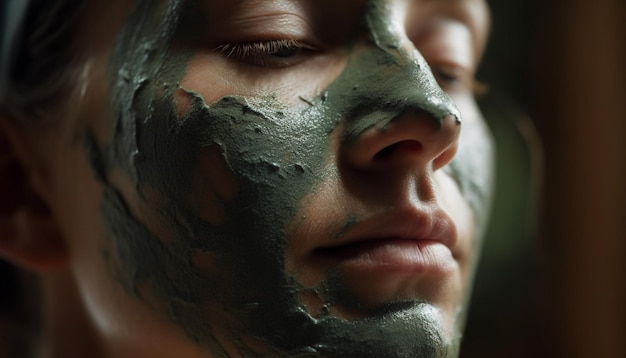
x=391 y=254
x=408 y=241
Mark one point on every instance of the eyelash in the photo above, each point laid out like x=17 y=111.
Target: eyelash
x=449 y=79
x=271 y=53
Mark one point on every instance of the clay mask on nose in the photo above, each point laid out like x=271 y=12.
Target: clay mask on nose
x=229 y=279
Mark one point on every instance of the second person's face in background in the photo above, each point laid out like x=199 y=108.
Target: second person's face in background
x=279 y=177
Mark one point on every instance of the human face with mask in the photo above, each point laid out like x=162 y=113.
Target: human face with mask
x=272 y=178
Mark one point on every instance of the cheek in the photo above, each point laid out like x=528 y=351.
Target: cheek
x=214 y=76
x=214 y=187
x=473 y=166
x=78 y=207
x=209 y=76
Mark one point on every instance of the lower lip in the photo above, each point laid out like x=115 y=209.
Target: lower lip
x=409 y=256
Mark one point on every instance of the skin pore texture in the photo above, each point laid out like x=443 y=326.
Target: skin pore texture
x=221 y=189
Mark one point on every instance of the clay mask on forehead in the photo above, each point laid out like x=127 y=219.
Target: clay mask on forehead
x=224 y=274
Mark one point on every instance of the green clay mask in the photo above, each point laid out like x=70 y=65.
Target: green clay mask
x=222 y=276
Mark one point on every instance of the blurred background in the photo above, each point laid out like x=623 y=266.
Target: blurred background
x=552 y=280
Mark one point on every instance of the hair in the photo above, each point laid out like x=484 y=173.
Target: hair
x=40 y=72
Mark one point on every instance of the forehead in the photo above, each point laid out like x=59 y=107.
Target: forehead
x=102 y=19
x=466 y=10
x=342 y=14
x=472 y=12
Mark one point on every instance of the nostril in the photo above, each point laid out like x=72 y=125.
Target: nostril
x=400 y=149
x=385 y=152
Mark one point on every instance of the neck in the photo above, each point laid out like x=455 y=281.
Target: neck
x=65 y=330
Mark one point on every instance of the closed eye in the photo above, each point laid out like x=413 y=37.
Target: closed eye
x=452 y=78
x=270 y=54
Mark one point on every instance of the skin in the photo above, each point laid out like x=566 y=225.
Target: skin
x=203 y=183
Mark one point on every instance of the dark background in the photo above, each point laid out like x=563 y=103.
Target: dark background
x=552 y=280
x=504 y=310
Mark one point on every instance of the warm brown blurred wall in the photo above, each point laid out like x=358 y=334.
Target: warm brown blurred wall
x=581 y=95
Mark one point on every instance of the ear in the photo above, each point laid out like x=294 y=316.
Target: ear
x=29 y=235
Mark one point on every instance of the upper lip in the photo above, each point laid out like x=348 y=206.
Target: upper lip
x=429 y=223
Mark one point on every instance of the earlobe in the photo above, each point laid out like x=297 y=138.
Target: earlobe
x=29 y=235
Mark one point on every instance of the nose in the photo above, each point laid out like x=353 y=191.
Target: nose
x=411 y=139
x=394 y=112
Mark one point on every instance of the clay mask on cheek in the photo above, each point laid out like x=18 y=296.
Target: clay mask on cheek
x=225 y=281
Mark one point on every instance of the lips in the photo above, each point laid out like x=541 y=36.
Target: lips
x=408 y=240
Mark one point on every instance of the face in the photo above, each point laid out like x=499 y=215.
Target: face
x=280 y=178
